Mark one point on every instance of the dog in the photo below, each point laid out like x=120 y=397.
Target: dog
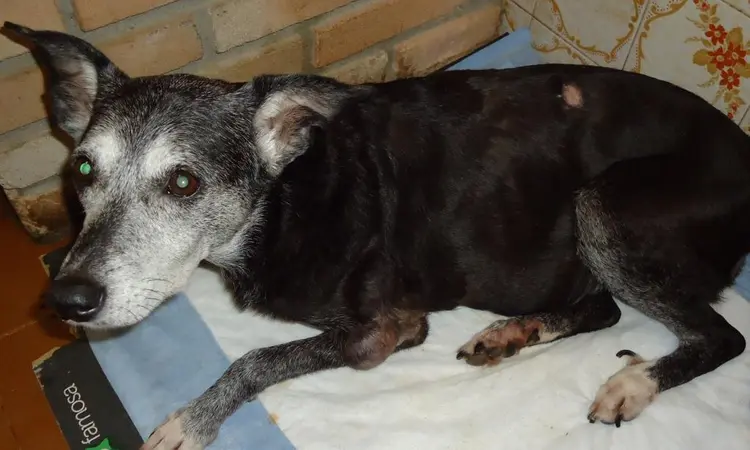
x=539 y=193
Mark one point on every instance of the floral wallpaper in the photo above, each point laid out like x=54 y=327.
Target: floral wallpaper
x=701 y=45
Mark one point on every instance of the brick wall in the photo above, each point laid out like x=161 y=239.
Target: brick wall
x=353 y=40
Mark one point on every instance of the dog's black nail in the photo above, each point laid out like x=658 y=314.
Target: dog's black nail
x=618 y=420
x=479 y=348
x=625 y=352
x=591 y=417
x=461 y=354
x=495 y=352
x=533 y=337
x=476 y=360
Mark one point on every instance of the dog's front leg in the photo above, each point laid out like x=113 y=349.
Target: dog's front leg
x=197 y=424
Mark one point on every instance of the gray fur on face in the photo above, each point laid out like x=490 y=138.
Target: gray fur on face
x=139 y=242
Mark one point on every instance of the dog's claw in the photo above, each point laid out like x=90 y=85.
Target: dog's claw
x=625 y=352
x=462 y=355
x=591 y=418
x=618 y=420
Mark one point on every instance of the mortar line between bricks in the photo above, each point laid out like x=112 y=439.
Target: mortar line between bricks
x=68 y=15
x=98 y=36
x=458 y=11
x=364 y=54
x=16 y=64
x=308 y=47
x=146 y=19
x=387 y=45
x=197 y=10
x=258 y=44
x=390 y=70
x=301 y=27
x=205 y=29
x=17 y=137
x=304 y=29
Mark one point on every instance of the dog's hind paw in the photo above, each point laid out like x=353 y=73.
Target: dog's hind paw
x=501 y=339
x=173 y=434
x=626 y=394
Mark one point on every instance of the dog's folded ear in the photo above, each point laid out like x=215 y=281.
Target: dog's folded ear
x=77 y=75
x=284 y=128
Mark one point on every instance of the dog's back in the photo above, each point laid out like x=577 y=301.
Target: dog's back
x=477 y=172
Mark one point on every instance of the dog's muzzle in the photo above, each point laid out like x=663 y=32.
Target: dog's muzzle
x=75 y=299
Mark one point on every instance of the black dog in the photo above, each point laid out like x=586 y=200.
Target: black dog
x=538 y=193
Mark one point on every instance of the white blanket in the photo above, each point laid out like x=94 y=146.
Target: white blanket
x=423 y=398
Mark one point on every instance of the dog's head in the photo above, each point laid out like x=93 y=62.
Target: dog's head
x=170 y=170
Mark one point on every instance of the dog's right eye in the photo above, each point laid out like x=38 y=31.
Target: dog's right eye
x=182 y=184
x=83 y=170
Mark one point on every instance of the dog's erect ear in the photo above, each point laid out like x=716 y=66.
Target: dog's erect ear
x=77 y=72
x=284 y=128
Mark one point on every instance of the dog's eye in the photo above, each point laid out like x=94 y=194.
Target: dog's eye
x=182 y=184
x=83 y=170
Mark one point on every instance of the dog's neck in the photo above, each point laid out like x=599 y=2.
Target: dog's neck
x=314 y=212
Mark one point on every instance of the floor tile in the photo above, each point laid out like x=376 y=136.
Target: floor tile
x=514 y=17
x=700 y=45
x=602 y=30
x=553 y=48
x=742 y=5
x=527 y=5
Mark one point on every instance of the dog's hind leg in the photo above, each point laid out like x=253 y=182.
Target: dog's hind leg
x=506 y=337
x=361 y=347
x=666 y=246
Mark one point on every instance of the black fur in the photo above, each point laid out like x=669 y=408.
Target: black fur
x=489 y=189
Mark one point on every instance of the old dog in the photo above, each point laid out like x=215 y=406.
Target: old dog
x=538 y=193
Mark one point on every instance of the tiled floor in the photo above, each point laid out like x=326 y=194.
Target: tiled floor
x=26 y=421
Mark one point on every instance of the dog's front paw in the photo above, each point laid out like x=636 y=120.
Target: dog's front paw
x=625 y=395
x=181 y=432
x=501 y=339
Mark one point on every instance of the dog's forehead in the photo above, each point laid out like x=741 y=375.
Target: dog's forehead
x=152 y=155
x=156 y=123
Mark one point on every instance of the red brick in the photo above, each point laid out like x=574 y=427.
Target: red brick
x=360 y=69
x=156 y=49
x=351 y=31
x=283 y=56
x=20 y=99
x=447 y=42
x=239 y=21
x=93 y=14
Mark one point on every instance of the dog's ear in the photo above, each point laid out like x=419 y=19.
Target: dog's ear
x=284 y=125
x=77 y=75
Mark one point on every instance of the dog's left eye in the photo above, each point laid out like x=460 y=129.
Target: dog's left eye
x=83 y=170
x=182 y=184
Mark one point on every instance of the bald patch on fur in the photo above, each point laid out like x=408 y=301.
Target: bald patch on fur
x=572 y=95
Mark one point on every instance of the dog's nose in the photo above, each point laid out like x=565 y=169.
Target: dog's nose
x=75 y=299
